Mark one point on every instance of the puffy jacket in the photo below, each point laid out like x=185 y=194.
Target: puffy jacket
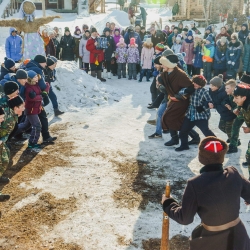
x=176 y=48
x=208 y=52
x=158 y=37
x=233 y=55
x=220 y=60
x=13 y=47
x=188 y=48
x=83 y=52
x=133 y=55
x=198 y=63
x=220 y=98
x=121 y=55
x=246 y=58
x=147 y=55
x=242 y=35
x=95 y=54
x=111 y=48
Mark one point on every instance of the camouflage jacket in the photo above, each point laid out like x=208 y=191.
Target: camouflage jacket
x=245 y=112
x=10 y=119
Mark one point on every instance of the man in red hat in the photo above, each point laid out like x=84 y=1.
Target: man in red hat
x=215 y=196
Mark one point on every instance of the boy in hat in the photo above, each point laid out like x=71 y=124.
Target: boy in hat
x=214 y=195
x=7 y=67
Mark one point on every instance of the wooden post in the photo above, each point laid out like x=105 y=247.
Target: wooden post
x=165 y=224
x=43 y=8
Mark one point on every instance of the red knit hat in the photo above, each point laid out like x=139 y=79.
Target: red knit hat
x=213 y=146
x=132 y=41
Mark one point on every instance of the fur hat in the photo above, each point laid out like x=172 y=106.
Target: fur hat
x=10 y=87
x=66 y=29
x=93 y=29
x=212 y=150
x=167 y=52
x=31 y=74
x=40 y=59
x=223 y=39
x=15 y=102
x=8 y=63
x=157 y=60
x=217 y=81
x=121 y=41
x=1 y=111
x=159 y=46
x=245 y=79
x=169 y=61
x=21 y=74
x=242 y=90
x=199 y=80
x=210 y=38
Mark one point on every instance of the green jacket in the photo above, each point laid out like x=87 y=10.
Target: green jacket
x=246 y=115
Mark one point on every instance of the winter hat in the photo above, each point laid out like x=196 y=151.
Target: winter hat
x=167 y=52
x=159 y=46
x=31 y=74
x=210 y=38
x=85 y=26
x=15 y=102
x=106 y=29
x=66 y=29
x=132 y=41
x=185 y=29
x=40 y=59
x=10 y=87
x=1 y=111
x=121 y=41
x=199 y=80
x=242 y=90
x=244 y=25
x=181 y=56
x=157 y=60
x=87 y=31
x=148 y=41
x=77 y=29
x=245 y=79
x=178 y=38
x=223 y=39
x=160 y=80
x=21 y=74
x=209 y=28
x=8 y=63
x=117 y=29
x=212 y=150
x=93 y=29
x=217 y=81
x=190 y=33
x=51 y=60
x=169 y=61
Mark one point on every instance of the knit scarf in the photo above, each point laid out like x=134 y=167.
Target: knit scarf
x=189 y=41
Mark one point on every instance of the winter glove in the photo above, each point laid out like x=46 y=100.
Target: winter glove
x=44 y=94
x=32 y=94
x=233 y=63
x=45 y=98
x=229 y=62
x=200 y=109
x=189 y=90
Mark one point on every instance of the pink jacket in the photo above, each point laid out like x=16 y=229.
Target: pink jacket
x=147 y=55
x=188 y=48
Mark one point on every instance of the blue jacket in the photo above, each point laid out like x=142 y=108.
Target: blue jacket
x=233 y=55
x=246 y=58
x=137 y=37
x=198 y=57
x=220 y=60
x=32 y=65
x=13 y=47
x=242 y=35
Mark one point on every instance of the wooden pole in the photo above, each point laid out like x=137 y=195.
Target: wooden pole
x=43 y=8
x=165 y=224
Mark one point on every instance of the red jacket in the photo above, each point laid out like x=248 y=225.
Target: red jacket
x=94 y=53
x=33 y=106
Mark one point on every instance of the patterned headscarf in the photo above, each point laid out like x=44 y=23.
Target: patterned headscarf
x=28 y=17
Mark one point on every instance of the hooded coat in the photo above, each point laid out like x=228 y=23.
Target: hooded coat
x=242 y=35
x=117 y=37
x=83 y=52
x=233 y=55
x=13 y=47
x=147 y=55
x=67 y=44
x=220 y=60
x=174 y=115
x=215 y=196
x=198 y=63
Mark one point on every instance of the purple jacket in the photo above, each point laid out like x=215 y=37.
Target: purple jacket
x=121 y=55
x=117 y=38
x=133 y=55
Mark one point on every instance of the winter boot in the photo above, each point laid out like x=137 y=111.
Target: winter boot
x=49 y=140
x=232 y=150
x=181 y=148
x=34 y=145
x=4 y=180
x=99 y=76
x=174 y=140
x=57 y=112
x=109 y=75
x=195 y=138
x=155 y=135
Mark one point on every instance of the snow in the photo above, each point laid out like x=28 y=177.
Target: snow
x=3 y=6
x=114 y=116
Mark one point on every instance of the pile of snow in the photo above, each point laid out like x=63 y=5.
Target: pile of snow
x=76 y=89
x=120 y=18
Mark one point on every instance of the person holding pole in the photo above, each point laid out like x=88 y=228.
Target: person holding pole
x=215 y=196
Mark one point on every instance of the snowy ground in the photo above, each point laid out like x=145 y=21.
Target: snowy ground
x=104 y=170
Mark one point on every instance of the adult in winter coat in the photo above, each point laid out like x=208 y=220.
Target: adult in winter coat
x=246 y=58
x=52 y=35
x=131 y=33
x=67 y=44
x=198 y=64
x=220 y=61
x=215 y=196
x=48 y=44
x=109 y=51
x=242 y=35
x=143 y=16
x=7 y=67
x=77 y=37
x=96 y=56
x=233 y=54
x=157 y=36
x=117 y=35
x=13 y=46
x=84 y=54
x=188 y=48
x=223 y=32
x=171 y=36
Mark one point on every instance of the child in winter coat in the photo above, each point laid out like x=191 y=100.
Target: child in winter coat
x=177 y=45
x=147 y=56
x=133 y=59
x=84 y=54
x=121 y=58
x=220 y=99
x=243 y=33
x=220 y=62
x=182 y=64
x=246 y=57
x=77 y=37
x=198 y=64
x=188 y=48
x=208 y=55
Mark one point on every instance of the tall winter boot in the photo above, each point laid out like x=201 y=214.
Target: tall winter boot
x=174 y=138
x=195 y=138
x=99 y=76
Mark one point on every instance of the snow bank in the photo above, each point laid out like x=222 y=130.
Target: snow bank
x=75 y=89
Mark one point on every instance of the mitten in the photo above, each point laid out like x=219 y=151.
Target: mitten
x=32 y=94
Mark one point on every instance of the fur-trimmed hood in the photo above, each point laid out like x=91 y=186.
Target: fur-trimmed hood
x=148 y=46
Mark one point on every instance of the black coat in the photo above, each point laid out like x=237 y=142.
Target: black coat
x=215 y=196
x=220 y=99
x=67 y=44
x=158 y=37
x=111 y=48
x=4 y=71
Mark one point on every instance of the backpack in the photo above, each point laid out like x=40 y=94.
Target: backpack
x=102 y=43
